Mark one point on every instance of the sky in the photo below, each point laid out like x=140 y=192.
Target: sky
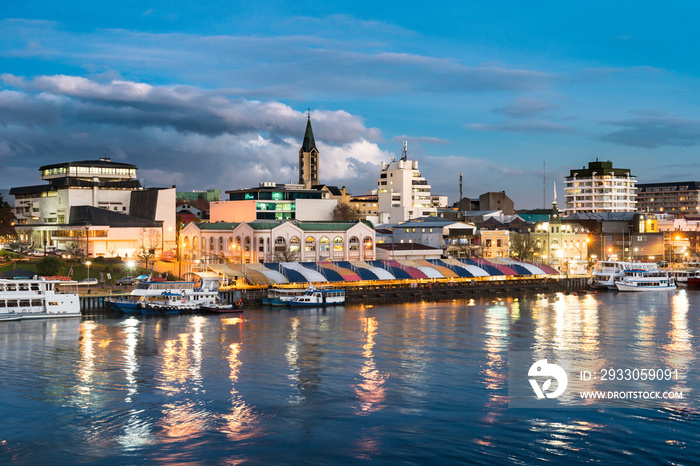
x=215 y=94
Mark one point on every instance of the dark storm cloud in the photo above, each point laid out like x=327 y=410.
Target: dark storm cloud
x=655 y=131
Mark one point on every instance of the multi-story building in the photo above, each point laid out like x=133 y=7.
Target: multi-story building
x=600 y=188
x=98 y=205
x=366 y=204
x=209 y=195
x=403 y=193
x=558 y=243
x=277 y=241
x=272 y=201
x=682 y=199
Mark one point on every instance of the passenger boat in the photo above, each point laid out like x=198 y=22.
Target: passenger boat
x=313 y=297
x=179 y=301
x=37 y=298
x=645 y=280
x=606 y=273
x=156 y=296
x=282 y=296
x=681 y=276
x=694 y=280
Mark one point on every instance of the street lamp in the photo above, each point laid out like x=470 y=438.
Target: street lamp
x=88 y=274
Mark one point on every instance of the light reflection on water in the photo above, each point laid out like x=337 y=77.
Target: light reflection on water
x=344 y=385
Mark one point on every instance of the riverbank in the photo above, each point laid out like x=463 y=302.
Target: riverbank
x=396 y=292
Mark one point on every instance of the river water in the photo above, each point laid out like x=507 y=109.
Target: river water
x=419 y=383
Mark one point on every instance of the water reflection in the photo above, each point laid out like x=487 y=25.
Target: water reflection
x=371 y=391
x=241 y=422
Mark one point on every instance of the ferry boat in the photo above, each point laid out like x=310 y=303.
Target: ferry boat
x=37 y=298
x=606 y=273
x=313 y=297
x=694 y=280
x=155 y=296
x=645 y=280
x=179 y=301
x=282 y=296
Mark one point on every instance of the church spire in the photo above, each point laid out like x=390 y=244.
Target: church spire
x=308 y=157
x=309 y=142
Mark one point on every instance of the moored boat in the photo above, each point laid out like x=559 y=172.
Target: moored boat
x=606 y=273
x=37 y=298
x=313 y=297
x=282 y=296
x=645 y=280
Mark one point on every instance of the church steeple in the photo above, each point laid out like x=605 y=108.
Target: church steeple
x=309 y=142
x=308 y=157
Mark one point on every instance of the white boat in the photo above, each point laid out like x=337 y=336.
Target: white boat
x=149 y=295
x=179 y=301
x=282 y=296
x=313 y=297
x=606 y=273
x=37 y=298
x=645 y=280
x=681 y=276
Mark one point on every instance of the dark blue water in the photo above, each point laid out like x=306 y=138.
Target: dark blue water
x=421 y=383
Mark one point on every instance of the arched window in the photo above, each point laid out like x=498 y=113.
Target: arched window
x=211 y=244
x=310 y=244
x=324 y=245
x=229 y=247
x=280 y=244
x=354 y=243
x=338 y=244
x=246 y=242
x=294 y=244
x=194 y=243
x=554 y=245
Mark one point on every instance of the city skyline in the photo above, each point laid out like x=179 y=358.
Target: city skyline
x=216 y=95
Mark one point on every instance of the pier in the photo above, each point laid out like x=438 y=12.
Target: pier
x=396 y=292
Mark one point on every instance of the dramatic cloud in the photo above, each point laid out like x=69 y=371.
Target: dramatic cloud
x=168 y=132
x=653 y=132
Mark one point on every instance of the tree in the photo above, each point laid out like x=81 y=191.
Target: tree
x=49 y=266
x=75 y=251
x=149 y=240
x=7 y=220
x=522 y=246
x=345 y=213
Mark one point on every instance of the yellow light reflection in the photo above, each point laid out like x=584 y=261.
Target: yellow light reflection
x=242 y=422
x=86 y=364
x=371 y=391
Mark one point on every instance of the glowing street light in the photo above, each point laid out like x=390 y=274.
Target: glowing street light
x=88 y=274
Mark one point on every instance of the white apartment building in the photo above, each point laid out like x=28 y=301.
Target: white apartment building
x=600 y=188
x=403 y=193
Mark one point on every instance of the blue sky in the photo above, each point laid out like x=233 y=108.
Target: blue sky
x=214 y=95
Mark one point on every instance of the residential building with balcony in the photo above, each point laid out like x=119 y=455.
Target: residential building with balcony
x=402 y=192
x=681 y=199
x=600 y=188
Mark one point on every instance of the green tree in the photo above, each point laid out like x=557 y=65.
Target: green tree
x=7 y=220
x=49 y=266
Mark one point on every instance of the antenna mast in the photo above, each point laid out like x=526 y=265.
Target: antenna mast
x=460 y=187
x=404 y=153
x=544 y=182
